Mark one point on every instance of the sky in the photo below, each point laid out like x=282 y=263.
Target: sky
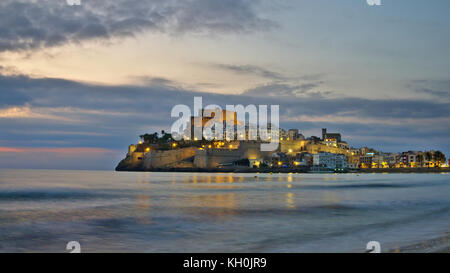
x=78 y=84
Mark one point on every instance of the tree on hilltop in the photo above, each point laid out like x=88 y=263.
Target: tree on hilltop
x=439 y=157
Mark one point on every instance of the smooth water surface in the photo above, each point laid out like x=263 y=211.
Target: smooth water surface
x=42 y=210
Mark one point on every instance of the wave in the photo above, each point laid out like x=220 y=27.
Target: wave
x=370 y=186
x=40 y=195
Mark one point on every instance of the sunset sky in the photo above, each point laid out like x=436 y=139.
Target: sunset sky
x=78 y=84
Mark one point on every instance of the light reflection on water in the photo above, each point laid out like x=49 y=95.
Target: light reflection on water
x=201 y=212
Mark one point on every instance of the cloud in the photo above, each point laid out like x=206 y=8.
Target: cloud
x=61 y=151
x=29 y=24
x=286 y=90
x=277 y=84
x=344 y=118
x=251 y=70
x=268 y=74
x=59 y=158
x=111 y=117
x=435 y=88
x=63 y=97
x=26 y=112
x=153 y=81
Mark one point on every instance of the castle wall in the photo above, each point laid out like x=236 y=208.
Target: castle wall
x=212 y=158
x=131 y=149
x=306 y=146
x=294 y=145
x=252 y=150
x=316 y=148
x=159 y=159
x=137 y=157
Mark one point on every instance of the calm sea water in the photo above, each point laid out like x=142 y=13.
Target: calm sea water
x=42 y=210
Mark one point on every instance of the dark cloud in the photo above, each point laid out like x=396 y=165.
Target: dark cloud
x=27 y=24
x=58 y=113
x=251 y=70
x=273 y=76
x=153 y=81
x=436 y=88
x=284 y=89
x=278 y=83
x=163 y=94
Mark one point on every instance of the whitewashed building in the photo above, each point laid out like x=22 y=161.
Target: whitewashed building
x=331 y=161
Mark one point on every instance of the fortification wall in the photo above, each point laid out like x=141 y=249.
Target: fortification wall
x=212 y=158
x=136 y=158
x=251 y=150
x=294 y=145
x=316 y=148
x=159 y=159
x=307 y=146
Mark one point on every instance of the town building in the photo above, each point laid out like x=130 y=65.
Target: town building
x=294 y=134
x=293 y=151
x=326 y=135
x=365 y=161
x=329 y=160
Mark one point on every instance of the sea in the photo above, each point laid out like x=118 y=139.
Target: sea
x=107 y=211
